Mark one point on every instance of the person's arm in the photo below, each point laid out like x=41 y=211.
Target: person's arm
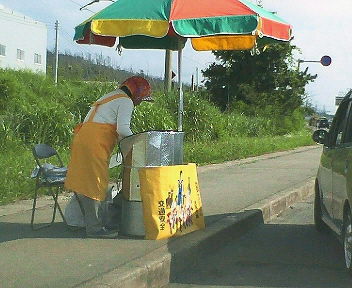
x=124 y=115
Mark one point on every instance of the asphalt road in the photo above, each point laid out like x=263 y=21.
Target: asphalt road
x=287 y=252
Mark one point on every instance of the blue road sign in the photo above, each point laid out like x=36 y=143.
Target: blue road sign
x=325 y=60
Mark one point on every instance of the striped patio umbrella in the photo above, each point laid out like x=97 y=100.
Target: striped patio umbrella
x=167 y=24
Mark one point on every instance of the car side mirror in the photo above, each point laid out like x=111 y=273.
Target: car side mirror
x=320 y=136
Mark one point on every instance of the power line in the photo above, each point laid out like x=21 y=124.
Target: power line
x=67 y=37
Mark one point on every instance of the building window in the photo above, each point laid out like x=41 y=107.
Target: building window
x=20 y=54
x=37 y=58
x=2 y=50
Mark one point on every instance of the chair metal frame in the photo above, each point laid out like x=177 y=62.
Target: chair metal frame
x=42 y=152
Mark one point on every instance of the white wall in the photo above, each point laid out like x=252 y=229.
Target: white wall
x=21 y=32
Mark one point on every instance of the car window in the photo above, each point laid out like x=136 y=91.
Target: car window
x=348 y=136
x=338 y=126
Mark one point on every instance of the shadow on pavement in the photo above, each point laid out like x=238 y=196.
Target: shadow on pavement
x=272 y=255
x=14 y=231
x=10 y=230
x=220 y=230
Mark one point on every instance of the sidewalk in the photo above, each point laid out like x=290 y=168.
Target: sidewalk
x=236 y=195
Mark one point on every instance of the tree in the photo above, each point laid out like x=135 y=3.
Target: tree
x=265 y=82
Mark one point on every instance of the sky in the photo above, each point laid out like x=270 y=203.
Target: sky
x=320 y=27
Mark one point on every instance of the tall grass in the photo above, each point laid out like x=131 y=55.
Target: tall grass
x=35 y=110
x=242 y=147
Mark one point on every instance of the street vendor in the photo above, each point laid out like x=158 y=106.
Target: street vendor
x=107 y=122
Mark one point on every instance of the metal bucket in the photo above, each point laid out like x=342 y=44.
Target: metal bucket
x=132 y=218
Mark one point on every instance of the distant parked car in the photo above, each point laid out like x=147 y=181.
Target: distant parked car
x=323 y=123
x=313 y=121
x=333 y=185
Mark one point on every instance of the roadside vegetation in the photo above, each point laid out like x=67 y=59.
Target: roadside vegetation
x=34 y=110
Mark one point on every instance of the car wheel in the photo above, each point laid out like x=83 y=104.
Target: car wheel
x=347 y=240
x=320 y=225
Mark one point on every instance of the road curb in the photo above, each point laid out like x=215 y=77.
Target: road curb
x=157 y=268
x=279 y=202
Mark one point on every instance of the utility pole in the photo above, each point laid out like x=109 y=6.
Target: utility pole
x=197 y=79
x=180 y=108
x=192 y=83
x=56 y=50
x=167 y=75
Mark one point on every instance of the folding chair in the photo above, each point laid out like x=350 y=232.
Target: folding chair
x=47 y=176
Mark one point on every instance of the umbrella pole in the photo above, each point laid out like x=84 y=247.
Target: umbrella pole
x=180 y=99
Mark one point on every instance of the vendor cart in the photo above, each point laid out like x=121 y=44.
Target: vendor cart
x=146 y=149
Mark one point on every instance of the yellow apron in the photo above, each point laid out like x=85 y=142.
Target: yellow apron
x=92 y=145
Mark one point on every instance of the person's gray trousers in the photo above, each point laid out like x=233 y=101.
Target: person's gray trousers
x=92 y=213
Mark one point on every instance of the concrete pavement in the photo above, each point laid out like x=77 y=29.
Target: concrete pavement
x=236 y=196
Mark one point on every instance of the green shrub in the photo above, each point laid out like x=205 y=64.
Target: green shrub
x=248 y=126
x=149 y=117
x=16 y=183
x=201 y=119
x=242 y=147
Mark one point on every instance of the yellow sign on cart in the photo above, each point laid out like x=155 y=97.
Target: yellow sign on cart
x=172 y=204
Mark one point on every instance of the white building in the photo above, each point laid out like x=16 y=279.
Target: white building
x=23 y=42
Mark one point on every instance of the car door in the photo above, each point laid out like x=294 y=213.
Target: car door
x=325 y=181
x=326 y=175
x=341 y=167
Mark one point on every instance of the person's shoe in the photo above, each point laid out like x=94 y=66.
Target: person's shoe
x=103 y=234
x=115 y=227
